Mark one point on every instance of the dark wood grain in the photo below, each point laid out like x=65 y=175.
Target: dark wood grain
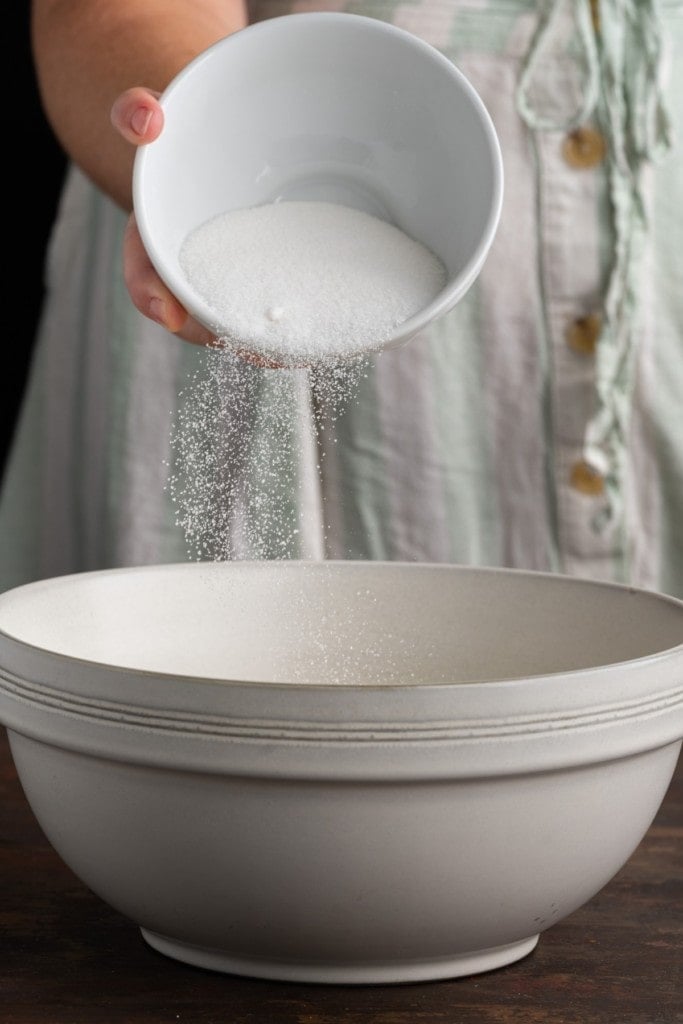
x=67 y=958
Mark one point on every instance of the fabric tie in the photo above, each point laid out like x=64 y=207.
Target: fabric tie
x=616 y=46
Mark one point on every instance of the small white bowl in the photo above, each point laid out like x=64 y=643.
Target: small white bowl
x=324 y=106
x=342 y=772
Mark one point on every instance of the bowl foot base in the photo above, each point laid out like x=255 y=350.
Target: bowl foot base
x=380 y=973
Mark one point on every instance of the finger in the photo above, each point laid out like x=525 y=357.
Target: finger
x=146 y=289
x=137 y=115
x=195 y=333
x=150 y=295
x=153 y=299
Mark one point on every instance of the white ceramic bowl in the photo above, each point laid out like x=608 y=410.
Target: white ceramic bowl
x=342 y=772
x=324 y=106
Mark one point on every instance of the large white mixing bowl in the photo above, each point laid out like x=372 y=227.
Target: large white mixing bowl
x=342 y=772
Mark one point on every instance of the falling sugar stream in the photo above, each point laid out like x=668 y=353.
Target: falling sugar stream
x=314 y=286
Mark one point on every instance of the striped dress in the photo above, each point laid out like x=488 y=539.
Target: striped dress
x=538 y=425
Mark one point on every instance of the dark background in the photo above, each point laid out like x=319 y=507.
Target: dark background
x=35 y=164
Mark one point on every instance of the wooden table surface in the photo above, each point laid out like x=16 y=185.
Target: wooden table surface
x=68 y=958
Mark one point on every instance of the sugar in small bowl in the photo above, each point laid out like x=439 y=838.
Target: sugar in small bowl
x=325 y=185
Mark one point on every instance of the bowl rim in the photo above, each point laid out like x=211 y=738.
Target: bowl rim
x=355 y=732
x=664 y=654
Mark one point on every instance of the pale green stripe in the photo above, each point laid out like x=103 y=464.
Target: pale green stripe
x=490 y=33
x=82 y=502
x=363 y=489
x=545 y=356
x=123 y=328
x=462 y=426
x=668 y=245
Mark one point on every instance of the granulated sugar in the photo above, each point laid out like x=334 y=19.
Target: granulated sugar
x=304 y=282
x=235 y=483
x=239 y=441
x=314 y=287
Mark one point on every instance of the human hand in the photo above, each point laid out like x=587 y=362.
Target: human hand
x=137 y=115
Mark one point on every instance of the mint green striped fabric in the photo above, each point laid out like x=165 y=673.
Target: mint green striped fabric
x=463 y=445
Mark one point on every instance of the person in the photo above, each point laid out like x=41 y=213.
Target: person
x=539 y=425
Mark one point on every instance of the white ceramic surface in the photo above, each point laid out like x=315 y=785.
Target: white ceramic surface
x=324 y=106
x=342 y=772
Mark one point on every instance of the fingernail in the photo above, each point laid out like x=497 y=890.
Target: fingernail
x=157 y=311
x=140 y=120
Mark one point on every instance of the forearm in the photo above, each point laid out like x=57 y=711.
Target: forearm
x=87 y=52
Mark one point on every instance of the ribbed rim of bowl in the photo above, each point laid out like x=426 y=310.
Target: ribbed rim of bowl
x=402 y=748
x=346 y=730
x=294 y=729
